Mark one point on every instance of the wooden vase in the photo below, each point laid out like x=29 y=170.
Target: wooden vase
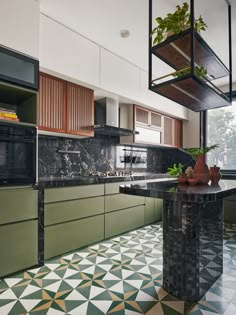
x=201 y=170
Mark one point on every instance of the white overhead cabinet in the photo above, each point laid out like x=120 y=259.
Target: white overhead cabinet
x=154 y=128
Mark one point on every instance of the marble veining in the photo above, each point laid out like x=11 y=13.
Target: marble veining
x=174 y=191
x=102 y=154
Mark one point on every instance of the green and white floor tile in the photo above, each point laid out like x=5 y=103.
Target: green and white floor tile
x=119 y=276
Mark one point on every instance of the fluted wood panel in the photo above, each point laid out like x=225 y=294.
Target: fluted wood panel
x=52 y=103
x=178 y=133
x=168 y=131
x=80 y=110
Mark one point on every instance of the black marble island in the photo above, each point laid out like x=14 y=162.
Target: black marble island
x=192 y=233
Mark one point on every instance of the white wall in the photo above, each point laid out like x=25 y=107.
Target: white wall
x=19 y=25
x=70 y=55
x=191 y=131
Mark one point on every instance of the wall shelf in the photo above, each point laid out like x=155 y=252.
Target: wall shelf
x=176 y=52
x=187 y=52
x=192 y=92
x=22 y=100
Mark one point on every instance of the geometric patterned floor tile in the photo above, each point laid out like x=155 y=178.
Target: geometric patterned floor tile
x=121 y=276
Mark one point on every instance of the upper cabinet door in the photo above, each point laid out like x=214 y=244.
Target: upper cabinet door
x=19 y=69
x=142 y=116
x=156 y=120
x=52 y=104
x=80 y=110
x=178 y=133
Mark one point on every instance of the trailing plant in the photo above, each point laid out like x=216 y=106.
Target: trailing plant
x=194 y=152
x=176 y=170
x=175 y=23
x=200 y=72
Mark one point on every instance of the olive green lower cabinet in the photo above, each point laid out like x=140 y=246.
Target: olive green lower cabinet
x=122 y=212
x=18 y=229
x=153 y=210
x=230 y=209
x=74 y=217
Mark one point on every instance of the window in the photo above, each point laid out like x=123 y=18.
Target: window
x=222 y=131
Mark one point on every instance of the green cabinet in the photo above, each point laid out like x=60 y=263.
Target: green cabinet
x=75 y=192
x=124 y=220
x=73 y=218
x=18 y=205
x=122 y=201
x=153 y=210
x=65 y=237
x=18 y=229
x=230 y=209
x=69 y=210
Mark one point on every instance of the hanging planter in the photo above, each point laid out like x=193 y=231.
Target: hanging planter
x=175 y=23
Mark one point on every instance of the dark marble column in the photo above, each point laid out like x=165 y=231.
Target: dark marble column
x=41 y=227
x=192 y=247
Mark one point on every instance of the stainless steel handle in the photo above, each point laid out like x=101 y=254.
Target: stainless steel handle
x=68 y=151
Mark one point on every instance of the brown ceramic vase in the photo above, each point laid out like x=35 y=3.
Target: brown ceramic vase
x=215 y=175
x=201 y=170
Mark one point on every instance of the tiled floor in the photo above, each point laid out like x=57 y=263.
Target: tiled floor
x=119 y=276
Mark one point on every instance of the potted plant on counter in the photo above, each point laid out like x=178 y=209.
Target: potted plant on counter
x=201 y=170
x=175 y=23
x=177 y=171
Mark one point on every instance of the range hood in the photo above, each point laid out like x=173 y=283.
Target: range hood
x=106 y=121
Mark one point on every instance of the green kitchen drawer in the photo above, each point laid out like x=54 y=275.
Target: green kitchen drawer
x=73 y=209
x=158 y=209
x=229 y=210
x=66 y=237
x=153 y=210
x=18 y=246
x=75 y=192
x=113 y=188
x=18 y=205
x=122 y=201
x=124 y=220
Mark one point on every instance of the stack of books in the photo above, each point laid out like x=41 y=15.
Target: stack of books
x=8 y=114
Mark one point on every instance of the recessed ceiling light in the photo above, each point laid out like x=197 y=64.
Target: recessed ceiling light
x=124 y=33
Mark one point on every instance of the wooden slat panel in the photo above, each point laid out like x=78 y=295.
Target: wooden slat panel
x=52 y=98
x=178 y=133
x=80 y=110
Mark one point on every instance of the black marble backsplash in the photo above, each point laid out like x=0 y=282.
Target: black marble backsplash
x=70 y=157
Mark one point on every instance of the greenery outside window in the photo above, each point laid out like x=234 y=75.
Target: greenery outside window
x=221 y=123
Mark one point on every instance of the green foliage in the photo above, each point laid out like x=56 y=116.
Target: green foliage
x=200 y=72
x=194 y=152
x=175 y=23
x=175 y=170
x=222 y=126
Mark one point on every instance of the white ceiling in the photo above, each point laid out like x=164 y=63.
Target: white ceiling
x=101 y=22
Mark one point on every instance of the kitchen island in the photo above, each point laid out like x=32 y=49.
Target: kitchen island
x=192 y=233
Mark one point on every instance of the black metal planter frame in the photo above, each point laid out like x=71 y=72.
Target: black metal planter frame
x=190 y=90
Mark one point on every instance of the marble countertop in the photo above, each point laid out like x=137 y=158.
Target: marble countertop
x=50 y=182
x=171 y=190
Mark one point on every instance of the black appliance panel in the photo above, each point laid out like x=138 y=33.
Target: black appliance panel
x=17 y=155
x=19 y=69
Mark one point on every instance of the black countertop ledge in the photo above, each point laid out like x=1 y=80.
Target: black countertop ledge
x=171 y=190
x=52 y=182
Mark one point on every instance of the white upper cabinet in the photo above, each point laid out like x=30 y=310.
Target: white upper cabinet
x=19 y=26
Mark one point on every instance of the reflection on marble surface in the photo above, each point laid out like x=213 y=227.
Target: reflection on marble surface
x=174 y=191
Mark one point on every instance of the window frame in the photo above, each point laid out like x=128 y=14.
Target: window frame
x=226 y=173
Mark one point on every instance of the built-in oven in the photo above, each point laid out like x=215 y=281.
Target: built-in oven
x=17 y=154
